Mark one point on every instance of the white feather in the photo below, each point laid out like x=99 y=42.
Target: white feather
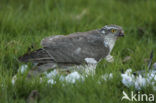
x=90 y=60
x=109 y=42
x=72 y=77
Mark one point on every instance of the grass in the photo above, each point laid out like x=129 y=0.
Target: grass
x=25 y=22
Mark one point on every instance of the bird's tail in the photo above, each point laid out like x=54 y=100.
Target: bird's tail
x=38 y=56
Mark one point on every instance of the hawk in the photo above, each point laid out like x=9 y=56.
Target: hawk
x=76 y=48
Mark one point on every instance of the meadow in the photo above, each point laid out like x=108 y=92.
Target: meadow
x=24 y=23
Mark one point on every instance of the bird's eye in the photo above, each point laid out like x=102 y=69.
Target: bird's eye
x=113 y=30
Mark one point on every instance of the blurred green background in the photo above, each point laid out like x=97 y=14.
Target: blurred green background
x=25 y=22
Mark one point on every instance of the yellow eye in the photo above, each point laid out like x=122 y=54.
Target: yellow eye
x=113 y=30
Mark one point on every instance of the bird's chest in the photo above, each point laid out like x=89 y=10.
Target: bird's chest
x=108 y=42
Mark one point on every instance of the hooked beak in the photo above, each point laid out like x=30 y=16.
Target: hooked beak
x=121 y=34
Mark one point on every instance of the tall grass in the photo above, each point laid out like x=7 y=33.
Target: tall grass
x=25 y=22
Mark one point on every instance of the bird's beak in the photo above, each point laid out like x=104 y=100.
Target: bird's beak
x=121 y=34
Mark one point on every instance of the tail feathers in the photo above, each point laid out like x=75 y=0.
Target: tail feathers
x=38 y=56
x=40 y=68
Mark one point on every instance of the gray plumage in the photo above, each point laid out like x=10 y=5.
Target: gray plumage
x=74 y=48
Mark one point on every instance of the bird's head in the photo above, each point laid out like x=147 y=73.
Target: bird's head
x=112 y=31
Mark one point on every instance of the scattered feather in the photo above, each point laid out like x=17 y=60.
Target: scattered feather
x=90 y=60
x=23 y=68
x=51 y=81
x=72 y=77
x=129 y=79
x=107 y=76
x=154 y=66
x=90 y=69
x=51 y=74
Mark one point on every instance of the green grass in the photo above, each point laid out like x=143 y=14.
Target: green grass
x=25 y=22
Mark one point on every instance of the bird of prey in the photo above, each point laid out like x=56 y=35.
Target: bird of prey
x=76 y=48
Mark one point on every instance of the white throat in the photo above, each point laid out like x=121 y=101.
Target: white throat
x=109 y=42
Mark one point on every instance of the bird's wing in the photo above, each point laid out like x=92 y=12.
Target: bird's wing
x=74 y=48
